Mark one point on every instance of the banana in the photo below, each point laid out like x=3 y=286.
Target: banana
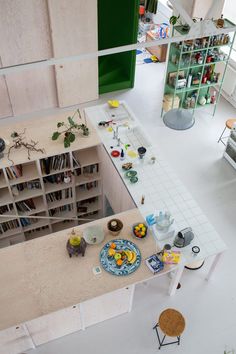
x=134 y=257
x=129 y=255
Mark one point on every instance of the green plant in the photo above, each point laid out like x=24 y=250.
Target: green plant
x=174 y=19
x=69 y=129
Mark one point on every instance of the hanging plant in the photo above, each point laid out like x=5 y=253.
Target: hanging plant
x=68 y=130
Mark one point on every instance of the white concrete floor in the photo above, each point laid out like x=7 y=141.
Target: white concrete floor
x=209 y=308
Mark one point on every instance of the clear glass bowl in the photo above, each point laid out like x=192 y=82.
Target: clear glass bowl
x=164 y=221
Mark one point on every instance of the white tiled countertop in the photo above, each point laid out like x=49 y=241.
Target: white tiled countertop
x=159 y=184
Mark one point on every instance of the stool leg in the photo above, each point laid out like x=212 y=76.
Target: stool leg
x=221 y=135
x=155 y=327
x=162 y=341
x=178 y=340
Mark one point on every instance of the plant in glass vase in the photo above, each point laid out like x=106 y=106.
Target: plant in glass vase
x=69 y=130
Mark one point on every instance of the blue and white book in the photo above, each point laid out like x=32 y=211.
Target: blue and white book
x=154 y=264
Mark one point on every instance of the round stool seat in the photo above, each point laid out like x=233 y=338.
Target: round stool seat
x=172 y=323
x=229 y=123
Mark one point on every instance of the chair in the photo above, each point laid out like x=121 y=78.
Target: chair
x=172 y=324
x=228 y=124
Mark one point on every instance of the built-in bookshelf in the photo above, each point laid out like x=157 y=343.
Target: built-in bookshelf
x=63 y=187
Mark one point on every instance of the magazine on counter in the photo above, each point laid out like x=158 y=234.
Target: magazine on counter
x=154 y=263
x=171 y=257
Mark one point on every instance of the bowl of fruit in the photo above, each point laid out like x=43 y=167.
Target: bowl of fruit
x=140 y=230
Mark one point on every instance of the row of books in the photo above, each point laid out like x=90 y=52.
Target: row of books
x=14 y=171
x=34 y=231
x=27 y=221
x=87 y=170
x=88 y=186
x=68 y=207
x=54 y=163
x=26 y=205
x=91 y=169
x=35 y=184
x=4 y=209
x=58 y=178
x=58 y=195
x=8 y=225
x=82 y=206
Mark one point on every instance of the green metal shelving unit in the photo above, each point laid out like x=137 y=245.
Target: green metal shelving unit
x=185 y=51
x=117 y=26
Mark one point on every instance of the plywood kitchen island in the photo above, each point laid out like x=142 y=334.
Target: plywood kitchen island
x=47 y=294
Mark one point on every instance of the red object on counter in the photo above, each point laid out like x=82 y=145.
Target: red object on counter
x=141 y=10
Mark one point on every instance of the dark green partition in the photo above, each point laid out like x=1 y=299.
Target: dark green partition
x=117 y=26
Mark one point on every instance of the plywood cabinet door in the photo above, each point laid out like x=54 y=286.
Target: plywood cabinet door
x=106 y=306
x=15 y=340
x=127 y=202
x=74 y=31
x=113 y=186
x=54 y=325
x=25 y=38
x=5 y=104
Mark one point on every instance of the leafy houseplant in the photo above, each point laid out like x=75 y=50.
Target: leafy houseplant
x=69 y=129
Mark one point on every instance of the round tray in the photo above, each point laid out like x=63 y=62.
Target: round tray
x=109 y=263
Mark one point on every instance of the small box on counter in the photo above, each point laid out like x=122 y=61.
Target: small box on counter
x=154 y=264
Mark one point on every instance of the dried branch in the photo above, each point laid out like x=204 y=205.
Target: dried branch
x=19 y=142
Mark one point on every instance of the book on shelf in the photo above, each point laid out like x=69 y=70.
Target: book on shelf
x=35 y=184
x=76 y=162
x=4 y=209
x=14 y=171
x=26 y=205
x=154 y=264
x=58 y=195
x=54 y=163
x=8 y=225
x=58 y=210
x=26 y=221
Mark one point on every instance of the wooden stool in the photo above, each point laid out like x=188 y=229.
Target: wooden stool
x=172 y=324
x=228 y=124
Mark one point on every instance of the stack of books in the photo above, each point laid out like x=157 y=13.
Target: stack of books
x=26 y=205
x=58 y=195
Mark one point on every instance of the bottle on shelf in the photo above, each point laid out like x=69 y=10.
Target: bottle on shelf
x=213 y=98
x=189 y=81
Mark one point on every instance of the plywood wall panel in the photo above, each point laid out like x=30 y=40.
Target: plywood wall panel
x=74 y=31
x=32 y=90
x=5 y=104
x=24 y=31
x=25 y=37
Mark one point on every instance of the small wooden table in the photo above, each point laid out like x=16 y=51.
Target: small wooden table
x=172 y=324
x=159 y=51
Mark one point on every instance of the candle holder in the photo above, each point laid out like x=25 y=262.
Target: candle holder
x=141 y=152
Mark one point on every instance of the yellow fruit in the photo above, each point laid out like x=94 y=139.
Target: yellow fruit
x=137 y=228
x=142 y=233
x=129 y=255
x=111 y=252
x=134 y=257
x=75 y=240
x=140 y=225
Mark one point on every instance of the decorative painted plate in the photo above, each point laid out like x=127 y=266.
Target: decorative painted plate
x=125 y=251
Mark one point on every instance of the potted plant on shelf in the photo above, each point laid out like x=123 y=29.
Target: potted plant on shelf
x=69 y=129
